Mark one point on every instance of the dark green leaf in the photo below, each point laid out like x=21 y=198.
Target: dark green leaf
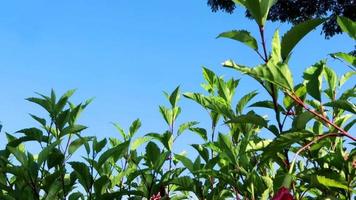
x=342 y=104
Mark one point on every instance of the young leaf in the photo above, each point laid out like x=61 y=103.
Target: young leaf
x=346 y=77
x=174 y=97
x=134 y=127
x=276 y=48
x=241 y=36
x=295 y=34
x=347 y=25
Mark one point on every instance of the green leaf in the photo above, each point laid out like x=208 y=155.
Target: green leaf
x=227 y=147
x=174 y=97
x=76 y=196
x=98 y=146
x=295 y=34
x=241 y=36
x=342 y=104
x=266 y=104
x=152 y=152
x=244 y=101
x=313 y=78
x=350 y=59
x=258 y=9
x=55 y=158
x=54 y=189
x=300 y=122
x=134 y=127
x=203 y=152
x=75 y=144
x=76 y=128
x=186 y=126
x=43 y=155
x=328 y=182
x=347 y=25
x=278 y=74
x=276 y=48
x=331 y=78
x=285 y=140
x=346 y=77
x=115 y=152
x=83 y=174
x=120 y=130
x=139 y=141
x=19 y=155
x=200 y=131
x=185 y=161
x=249 y=119
x=167 y=114
x=209 y=77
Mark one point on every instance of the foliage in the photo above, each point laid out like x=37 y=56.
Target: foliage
x=300 y=11
x=311 y=156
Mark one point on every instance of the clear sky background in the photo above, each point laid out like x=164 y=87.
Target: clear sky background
x=125 y=53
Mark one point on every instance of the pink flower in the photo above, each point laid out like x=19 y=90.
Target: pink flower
x=283 y=194
x=156 y=197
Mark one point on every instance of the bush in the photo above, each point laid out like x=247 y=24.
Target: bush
x=307 y=159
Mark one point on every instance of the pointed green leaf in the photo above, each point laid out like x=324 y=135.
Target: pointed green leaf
x=347 y=25
x=241 y=36
x=295 y=34
x=244 y=101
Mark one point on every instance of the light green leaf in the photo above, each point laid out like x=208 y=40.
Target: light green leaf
x=347 y=25
x=186 y=126
x=139 y=141
x=278 y=74
x=276 y=48
x=346 y=77
x=349 y=59
x=313 y=78
x=241 y=36
x=244 y=101
x=295 y=34
x=331 y=78
x=328 y=182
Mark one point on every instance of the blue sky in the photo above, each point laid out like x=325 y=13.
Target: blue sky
x=125 y=53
